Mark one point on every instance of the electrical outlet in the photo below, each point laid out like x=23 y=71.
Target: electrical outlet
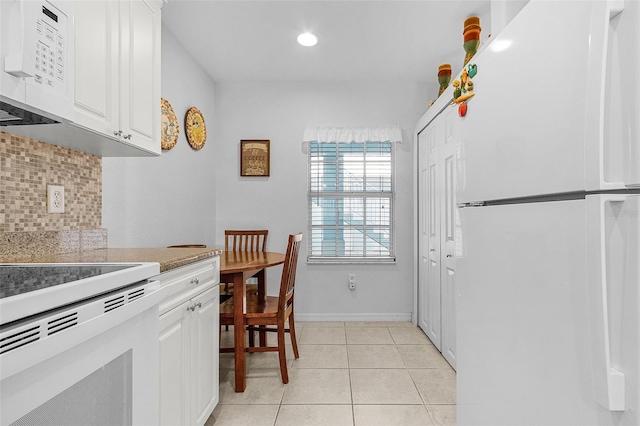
x=55 y=199
x=352 y=281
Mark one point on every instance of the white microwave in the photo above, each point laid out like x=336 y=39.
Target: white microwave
x=36 y=62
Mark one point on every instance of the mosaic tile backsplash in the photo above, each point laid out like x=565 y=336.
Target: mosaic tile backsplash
x=27 y=166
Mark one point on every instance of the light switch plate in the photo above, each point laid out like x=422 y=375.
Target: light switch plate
x=55 y=198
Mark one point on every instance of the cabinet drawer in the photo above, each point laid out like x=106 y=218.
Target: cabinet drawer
x=187 y=281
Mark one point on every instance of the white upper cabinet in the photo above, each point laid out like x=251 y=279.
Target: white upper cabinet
x=96 y=66
x=117 y=74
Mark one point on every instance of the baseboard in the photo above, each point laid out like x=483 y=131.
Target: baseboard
x=353 y=317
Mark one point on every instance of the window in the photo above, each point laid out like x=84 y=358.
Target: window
x=351 y=194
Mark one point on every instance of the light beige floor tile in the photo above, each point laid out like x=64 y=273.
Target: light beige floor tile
x=322 y=324
x=443 y=415
x=318 y=386
x=368 y=336
x=259 y=360
x=243 y=415
x=365 y=324
x=383 y=386
x=227 y=361
x=399 y=324
x=226 y=337
x=323 y=336
x=272 y=338
x=321 y=356
x=374 y=356
x=261 y=373
x=409 y=336
x=315 y=415
x=391 y=415
x=436 y=385
x=299 y=326
x=222 y=375
x=422 y=356
x=323 y=385
x=264 y=386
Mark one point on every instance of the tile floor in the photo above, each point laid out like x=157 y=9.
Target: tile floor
x=348 y=373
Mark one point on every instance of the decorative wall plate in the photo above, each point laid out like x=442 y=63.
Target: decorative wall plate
x=195 y=128
x=170 y=127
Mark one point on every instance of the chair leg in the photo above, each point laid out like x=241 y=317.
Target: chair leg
x=252 y=337
x=292 y=334
x=282 y=355
x=262 y=335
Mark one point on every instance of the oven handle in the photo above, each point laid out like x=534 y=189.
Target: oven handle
x=46 y=347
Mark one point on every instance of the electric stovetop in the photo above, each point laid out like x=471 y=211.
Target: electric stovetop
x=20 y=279
x=32 y=288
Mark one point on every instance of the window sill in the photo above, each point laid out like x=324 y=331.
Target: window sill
x=350 y=261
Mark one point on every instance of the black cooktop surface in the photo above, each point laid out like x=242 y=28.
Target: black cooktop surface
x=20 y=279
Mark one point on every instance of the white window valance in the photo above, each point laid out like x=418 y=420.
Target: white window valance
x=389 y=133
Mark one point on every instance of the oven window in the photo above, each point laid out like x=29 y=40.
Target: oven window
x=102 y=398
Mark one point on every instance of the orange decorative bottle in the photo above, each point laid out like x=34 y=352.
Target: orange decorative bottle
x=444 y=76
x=471 y=37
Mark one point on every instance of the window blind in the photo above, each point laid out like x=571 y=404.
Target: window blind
x=351 y=199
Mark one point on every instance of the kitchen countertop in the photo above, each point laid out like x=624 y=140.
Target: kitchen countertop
x=168 y=258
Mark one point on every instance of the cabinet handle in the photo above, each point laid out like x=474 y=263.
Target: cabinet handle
x=432 y=250
x=448 y=255
x=195 y=281
x=117 y=133
x=194 y=306
x=127 y=137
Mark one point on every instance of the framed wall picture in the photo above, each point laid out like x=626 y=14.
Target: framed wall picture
x=254 y=158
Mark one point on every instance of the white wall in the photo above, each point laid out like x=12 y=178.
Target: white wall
x=280 y=112
x=170 y=199
x=187 y=196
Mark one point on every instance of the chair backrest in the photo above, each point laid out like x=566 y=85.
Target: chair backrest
x=245 y=240
x=288 y=281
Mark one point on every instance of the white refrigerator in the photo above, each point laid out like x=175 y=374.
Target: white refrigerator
x=548 y=172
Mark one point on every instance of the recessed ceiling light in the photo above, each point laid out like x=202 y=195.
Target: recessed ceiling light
x=307 y=39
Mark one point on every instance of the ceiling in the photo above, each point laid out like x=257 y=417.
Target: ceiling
x=358 y=40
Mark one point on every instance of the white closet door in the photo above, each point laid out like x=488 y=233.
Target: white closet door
x=430 y=193
x=424 y=139
x=438 y=232
x=448 y=225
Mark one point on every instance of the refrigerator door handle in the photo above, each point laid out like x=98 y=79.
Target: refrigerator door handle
x=608 y=382
x=595 y=96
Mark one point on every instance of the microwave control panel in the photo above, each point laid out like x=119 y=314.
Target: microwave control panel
x=36 y=56
x=50 y=44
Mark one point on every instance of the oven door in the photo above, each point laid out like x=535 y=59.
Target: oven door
x=101 y=371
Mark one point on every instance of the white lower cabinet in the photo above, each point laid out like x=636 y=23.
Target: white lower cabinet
x=188 y=338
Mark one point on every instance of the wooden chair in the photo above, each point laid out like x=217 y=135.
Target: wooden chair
x=243 y=240
x=274 y=311
x=240 y=240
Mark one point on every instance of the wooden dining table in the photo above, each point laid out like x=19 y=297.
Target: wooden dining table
x=236 y=267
